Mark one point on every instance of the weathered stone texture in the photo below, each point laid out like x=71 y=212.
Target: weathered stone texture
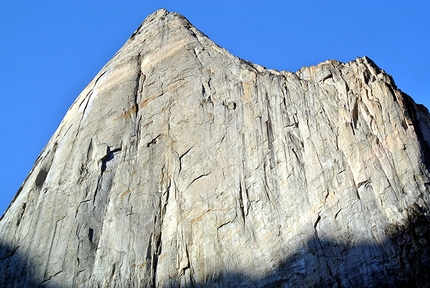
x=182 y=165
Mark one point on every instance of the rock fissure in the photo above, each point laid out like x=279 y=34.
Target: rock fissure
x=153 y=141
x=182 y=156
x=242 y=205
x=197 y=178
x=50 y=277
x=22 y=214
x=138 y=90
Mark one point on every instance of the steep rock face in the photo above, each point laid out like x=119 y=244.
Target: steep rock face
x=182 y=165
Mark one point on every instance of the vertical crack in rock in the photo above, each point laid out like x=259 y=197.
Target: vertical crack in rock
x=182 y=156
x=108 y=170
x=321 y=246
x=89 y=231
x=242 y=205
x=267 y=190
x=270 y=137
x=45 y=167
x=87 y=100
x=104 y=184
x=50 y=250
x=22 y=214
x=155 y=247
x=140 y=80
x=355 y=115
x=90 y=234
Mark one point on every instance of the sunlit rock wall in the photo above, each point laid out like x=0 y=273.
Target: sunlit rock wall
x=182 y=165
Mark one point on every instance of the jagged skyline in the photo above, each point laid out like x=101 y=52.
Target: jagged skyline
x=51 y=51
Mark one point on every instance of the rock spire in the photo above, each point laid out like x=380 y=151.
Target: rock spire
x=181 y=165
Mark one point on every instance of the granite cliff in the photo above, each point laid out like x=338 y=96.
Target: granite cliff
x=181 y=165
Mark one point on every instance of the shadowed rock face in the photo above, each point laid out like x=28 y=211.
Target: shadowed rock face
x=182 y=165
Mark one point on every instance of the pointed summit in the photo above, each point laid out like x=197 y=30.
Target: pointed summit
x=180 y=165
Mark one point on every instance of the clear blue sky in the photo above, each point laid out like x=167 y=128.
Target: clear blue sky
x=51 y=49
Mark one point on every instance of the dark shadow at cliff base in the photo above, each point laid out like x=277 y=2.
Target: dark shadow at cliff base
x=17 y=270
x=403 y=260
